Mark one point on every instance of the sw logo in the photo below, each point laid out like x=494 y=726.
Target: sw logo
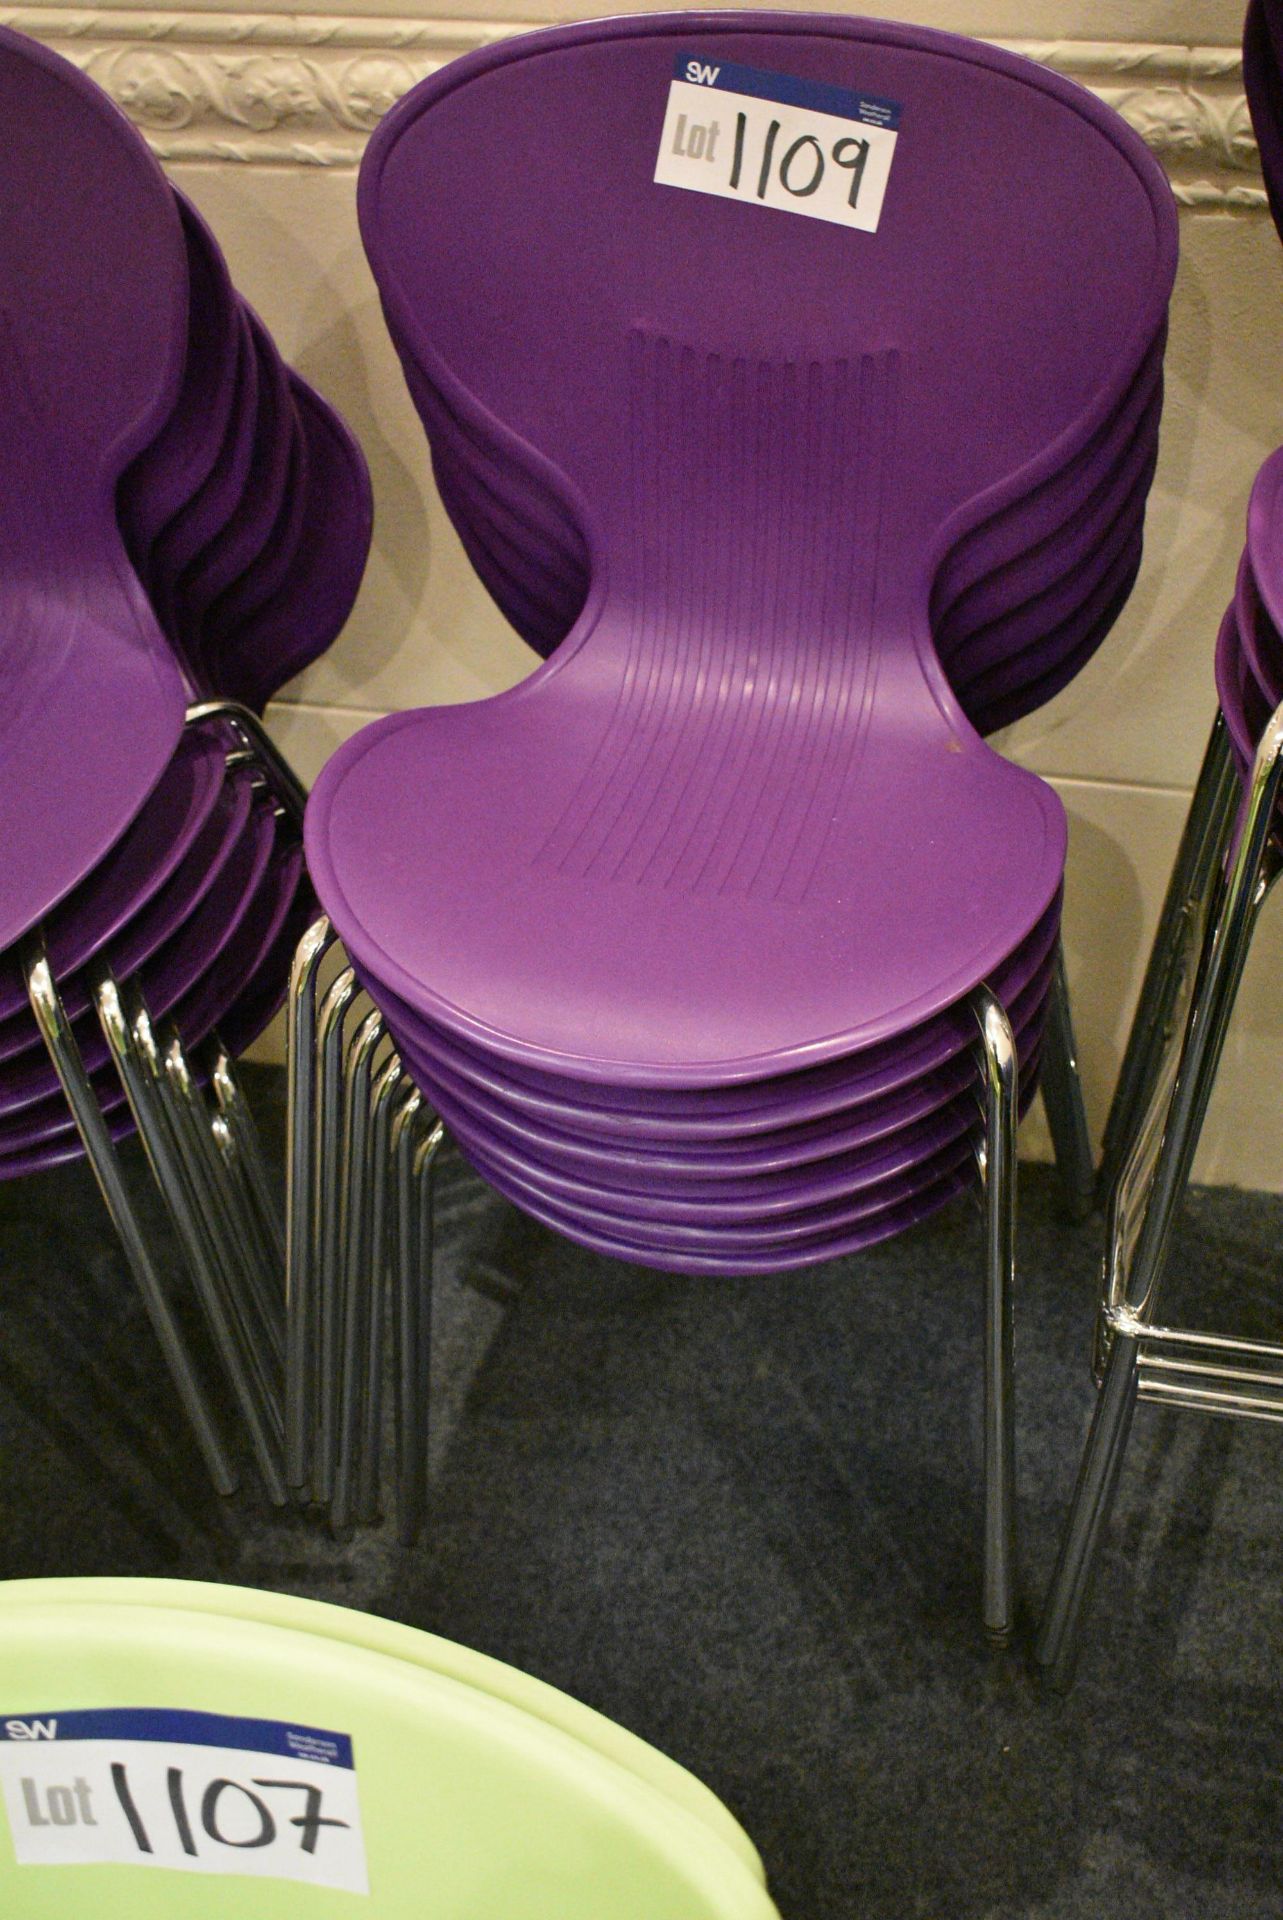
x=31 y=1729
x=700 y=75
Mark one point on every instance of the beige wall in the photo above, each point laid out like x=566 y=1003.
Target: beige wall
x=261 y=118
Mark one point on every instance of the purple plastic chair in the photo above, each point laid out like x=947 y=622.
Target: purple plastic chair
x=683 y=404
x=153 y=890
x=735 y=850
x=91 y=700
x=242 y=500
x=1229 y=858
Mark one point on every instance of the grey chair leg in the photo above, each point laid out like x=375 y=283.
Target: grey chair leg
x=216 y=1229
x=249 y=1156
x=1181 y=925
x=259 y=1252
x=355 y=1281
x=59 y=1039
x=187 y=1209
x=302 y=1241
x=252 y=1281
x=387 y=1090
x=354 y=1124
x=1060 y=1630
x=1001 y=1091
x=328 y=1196
x=1062 y=1098
x=415 y=1160
x=404 y=1137
x=1137 y=1255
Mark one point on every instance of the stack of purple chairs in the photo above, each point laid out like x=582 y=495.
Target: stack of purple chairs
x=183 y=523
x=1231 y=855
x=687 y=937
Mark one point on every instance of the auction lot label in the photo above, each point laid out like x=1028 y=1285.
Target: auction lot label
x=796 y=145
x=203 y=1792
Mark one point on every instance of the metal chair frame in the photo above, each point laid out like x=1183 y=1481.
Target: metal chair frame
x=294 y=1309
x=206 y=1162
x=306 y=1318
x=352 y=1118
x=362 y=1148
x=1227 y=862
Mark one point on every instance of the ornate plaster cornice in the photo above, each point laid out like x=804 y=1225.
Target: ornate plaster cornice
x=306 y=89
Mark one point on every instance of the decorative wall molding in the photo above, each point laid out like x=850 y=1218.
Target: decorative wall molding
x=305 y=90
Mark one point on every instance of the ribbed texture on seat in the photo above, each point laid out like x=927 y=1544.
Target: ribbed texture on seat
x=750 y=670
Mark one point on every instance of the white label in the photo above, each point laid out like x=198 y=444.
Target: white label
x=775 y=141
x=204 y=1792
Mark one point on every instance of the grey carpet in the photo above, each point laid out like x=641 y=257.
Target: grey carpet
x=742 y=1520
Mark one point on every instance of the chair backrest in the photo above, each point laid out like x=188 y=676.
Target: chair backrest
x=732 y=400
x=93 y=272
x=93 y=324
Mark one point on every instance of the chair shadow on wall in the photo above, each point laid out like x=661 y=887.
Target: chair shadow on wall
x=1106 y=942
x=335 y=360
x=1142 y=641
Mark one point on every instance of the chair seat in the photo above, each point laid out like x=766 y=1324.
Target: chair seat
x=686 y=876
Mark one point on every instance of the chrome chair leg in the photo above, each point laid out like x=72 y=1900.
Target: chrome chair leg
x=251 y=1232
x=370 y=1451
x=1062 y=1098
x=302 y=1240
x=327 y=1162
x=286 y=785
x=254 y=1286
x=1181 y=925
x=356 y=1277
x=1059 y=1632
x=190 y=1218
x=260 y=1252
x=425 y=1164
x=250 y=1158
x=1001 y=1091
x=416 y=1161
x=55 y=1028
x=1137 y=1253
x=404 y=1138
x=179 y=1116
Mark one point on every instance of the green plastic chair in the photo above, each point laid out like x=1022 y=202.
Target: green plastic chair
x=481 y=1792
x=421 y=1650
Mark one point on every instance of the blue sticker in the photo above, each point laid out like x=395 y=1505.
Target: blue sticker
x=190 y=1729
x=844 y=102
